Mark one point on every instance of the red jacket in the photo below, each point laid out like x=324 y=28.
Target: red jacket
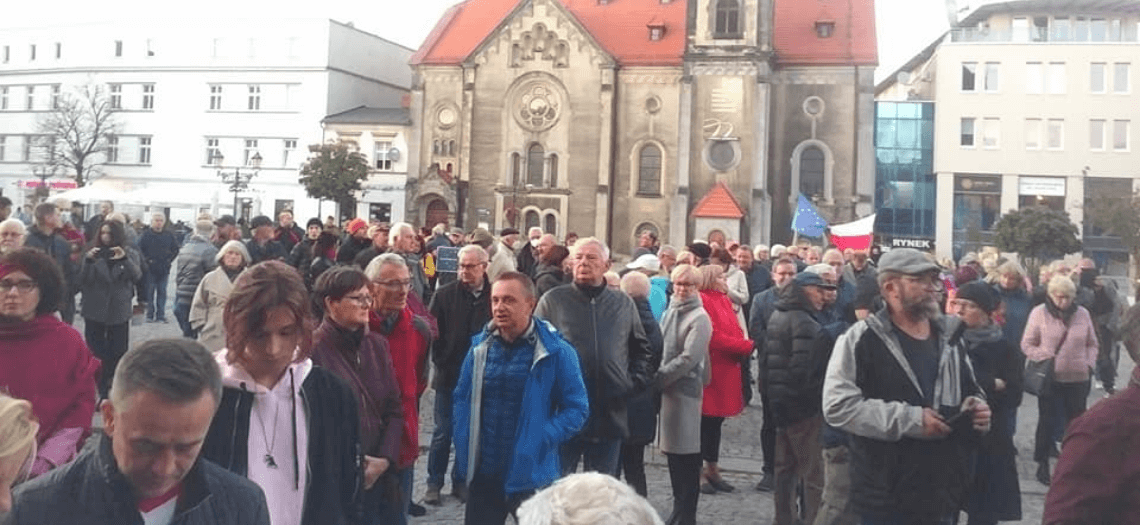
x=723 y=396
x=1095 y=480
x=408 y=345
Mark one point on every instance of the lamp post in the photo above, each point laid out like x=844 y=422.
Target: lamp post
x=235 y=178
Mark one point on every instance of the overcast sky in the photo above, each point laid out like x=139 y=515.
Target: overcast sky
x=905 y=26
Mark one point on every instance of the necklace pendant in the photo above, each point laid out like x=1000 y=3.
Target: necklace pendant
x=269 y=461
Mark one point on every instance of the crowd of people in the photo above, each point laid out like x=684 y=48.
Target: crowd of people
x=889 y=385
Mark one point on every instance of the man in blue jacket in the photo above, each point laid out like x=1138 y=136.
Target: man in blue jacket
x=520 y=396
x=159 y=246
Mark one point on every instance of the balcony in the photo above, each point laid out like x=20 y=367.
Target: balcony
x=1034 y=35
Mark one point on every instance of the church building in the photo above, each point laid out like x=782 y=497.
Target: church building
x=610 y=117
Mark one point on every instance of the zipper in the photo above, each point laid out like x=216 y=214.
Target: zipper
x=233 y=429
x=597 y=354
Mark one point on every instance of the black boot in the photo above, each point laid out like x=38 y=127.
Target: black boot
x=1043 y=476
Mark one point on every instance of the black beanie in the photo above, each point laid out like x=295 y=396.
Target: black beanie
x=981 y=294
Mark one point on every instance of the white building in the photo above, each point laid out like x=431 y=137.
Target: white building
x=1037 y=103
x=382 y=136
x=189 y=90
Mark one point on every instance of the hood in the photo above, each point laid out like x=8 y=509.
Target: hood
x=235 y=377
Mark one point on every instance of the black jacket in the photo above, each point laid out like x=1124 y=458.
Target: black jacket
x=333 y=461
x=643 y=407
x=270 y=251
x=365 y=256
x=614 y=353
x=158 y=250
x=59 y=250
x=796 y=350
x=995 y=358
x=526 y=261
x=92 y=490
x=302 y=254
x=349 y=247
x=460 y=315
x=547 y=277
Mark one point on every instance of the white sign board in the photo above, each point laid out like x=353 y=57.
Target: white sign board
x=1044 y=186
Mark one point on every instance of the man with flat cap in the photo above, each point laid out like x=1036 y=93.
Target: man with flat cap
x=901 y=384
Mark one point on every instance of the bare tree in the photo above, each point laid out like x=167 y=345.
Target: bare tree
x=76 y=135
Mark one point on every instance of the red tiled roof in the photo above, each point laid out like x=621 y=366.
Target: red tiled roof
x=620 y=27
x=719 y=203
x=853 y=42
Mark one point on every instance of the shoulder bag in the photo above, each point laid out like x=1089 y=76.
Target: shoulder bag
x=1039 y=374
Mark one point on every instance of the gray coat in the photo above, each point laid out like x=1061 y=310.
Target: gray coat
x=108 y=287
x=195 y=260
x=683 y=374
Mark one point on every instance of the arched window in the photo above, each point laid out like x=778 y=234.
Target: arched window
x=811 y=172
x=451 y=148
x=649 y=171
x=530 y=219
x=535 y=162
x=516 y=168
x=551 y=225
x=727 y=21
x=553 y=170
x=435 y=147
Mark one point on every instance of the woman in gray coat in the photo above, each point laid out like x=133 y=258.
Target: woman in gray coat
x=682 y=377
x=107 y=282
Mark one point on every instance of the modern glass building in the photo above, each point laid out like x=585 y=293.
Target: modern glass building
x=904 y=174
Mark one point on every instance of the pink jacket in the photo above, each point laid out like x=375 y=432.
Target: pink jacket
x=1073 y=360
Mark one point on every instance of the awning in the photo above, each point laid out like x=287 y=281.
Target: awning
x=90 y=193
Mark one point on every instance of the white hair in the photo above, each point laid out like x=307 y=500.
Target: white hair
x=778 y=250
x=534 y=229
x=635 y=285
x=821 y=269
x=760 y=248
x=204 y=228
x=584 y=241
x=476 y=249
x=587 y=498
x=397 y=229
x=384 y=259
x=15 y=223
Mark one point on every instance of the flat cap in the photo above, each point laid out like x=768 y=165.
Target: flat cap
x=908 y=261
x=812 y=279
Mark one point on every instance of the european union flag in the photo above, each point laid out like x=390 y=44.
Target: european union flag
x=807 y=221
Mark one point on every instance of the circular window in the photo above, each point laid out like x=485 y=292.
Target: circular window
x=446 y=116
x=652 y=105
x=722 y=155
x=814 y=107
x=537 y=106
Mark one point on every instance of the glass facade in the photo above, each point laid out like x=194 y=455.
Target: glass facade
x=904 y=169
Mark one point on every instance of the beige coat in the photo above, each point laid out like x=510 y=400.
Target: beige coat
x=208 y=306
x=683 y=374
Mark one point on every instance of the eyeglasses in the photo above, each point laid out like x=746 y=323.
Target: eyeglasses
x=23 y=286
x=688 y=284
x=470 y=266
x=364 y=300
x=11 y=235
x=395 y=285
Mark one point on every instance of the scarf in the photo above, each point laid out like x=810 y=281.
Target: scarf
x=1065 y=315
x=983 y=334
x=677 y=311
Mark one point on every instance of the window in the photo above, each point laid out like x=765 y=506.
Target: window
x=1120 y=135
x=1021 y=29
x=54 y=96
x=727 y=23
x=451 y=148
x=1081 y=29
x=254 y=98
x=215 y=97
x=213 y=152
x=535 y=162
x=148 y=96
x=31 y=99
x=149 y=47
x=516 y=169
x=649 y=171
x=250 y=152
x=967 y=136
x=3 y=97
x=991 y=133
x=824 y=29
x=550 y=224
x=32 y=53
x=28 y=140
x=1098 y=82
x=969 y=76
x=112 y=149
x=812 y=162
x=992 y=76
x=1056 y=132
x=144 y=150
x=530 y=219
x=1120 y=80
x=3 y=147
x=58 y=50
x=1056 y=79
x=382 y=161
x=7 y=54
x=118 y=48
x=1098 y=30
x=1032 y=133
x=1062 y=29
x=116 y=95
x=553 y=160
x=290 y=147
x=1096 y=134
x=1034 y=78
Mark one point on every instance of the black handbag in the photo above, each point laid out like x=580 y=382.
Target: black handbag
x=1039 y=374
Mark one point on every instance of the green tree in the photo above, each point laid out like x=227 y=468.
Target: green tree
x=76 y=134
x=1117 y=215
x=1036 y=233
x=334 y=172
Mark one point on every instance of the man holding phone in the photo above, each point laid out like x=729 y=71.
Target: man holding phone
x=901 y=384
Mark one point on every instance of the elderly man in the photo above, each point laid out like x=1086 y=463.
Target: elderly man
x=527 y=259
x=159 y=247
x=668 y=257
x=462 y=308
x=45 y=235
x=379 y=234
x=12 y=234
x=408 y=336
x=603 y=326
x=763 y=304
x=288 y=233
x=520 y=396
x=795 y=354
x=195 y=260
x=503 y=254
x=844 y=303
x=402 y=239
x=901 y=384
x=262 y=247
x=144 y=466
x=106 y=208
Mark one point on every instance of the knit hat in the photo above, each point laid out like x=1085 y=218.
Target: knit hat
x=314 y=222
x=965 y=274
x=260 y=221
x=981 y=294
x=355 y=225
x=482 y=237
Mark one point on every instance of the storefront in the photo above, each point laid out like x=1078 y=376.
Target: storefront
x=977 y=207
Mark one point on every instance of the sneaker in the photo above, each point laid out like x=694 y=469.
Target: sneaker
x=459 y=492
x=431 y=496
x=416 y=510
x=766 y=483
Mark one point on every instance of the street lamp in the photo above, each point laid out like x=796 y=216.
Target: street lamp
x=236 y=179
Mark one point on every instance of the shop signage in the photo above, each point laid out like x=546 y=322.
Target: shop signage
x=977 y=184
x=917 y=243
x=1044 y=186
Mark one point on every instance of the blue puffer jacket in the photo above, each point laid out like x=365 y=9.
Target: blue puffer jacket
x=554 y=409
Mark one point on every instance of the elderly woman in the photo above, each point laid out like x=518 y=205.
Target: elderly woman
x=288 y=426
x=998 y=366
x=1064 y=332
x=44 y=360
x=18 y=429
x=206 y=310
x=1016 y=301
x=722 y=397
x=107 y=282
x=344 y=344
x=642 y=409
x=12 y=235
x=682 y=377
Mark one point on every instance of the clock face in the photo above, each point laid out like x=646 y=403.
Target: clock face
x=446 y=117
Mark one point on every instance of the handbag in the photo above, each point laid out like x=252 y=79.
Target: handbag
x=1039 y=374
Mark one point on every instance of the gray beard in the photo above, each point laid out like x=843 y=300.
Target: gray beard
x=925 y=309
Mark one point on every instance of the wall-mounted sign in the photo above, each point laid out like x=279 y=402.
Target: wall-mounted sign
x=1044 y=186
x=977 y=184
x=917 y=243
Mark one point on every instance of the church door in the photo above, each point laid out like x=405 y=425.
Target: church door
x=436 y=213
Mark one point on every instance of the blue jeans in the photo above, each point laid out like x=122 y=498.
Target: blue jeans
x=598 y=455
x=155 y=290
x=182 y=314
x=439 y=453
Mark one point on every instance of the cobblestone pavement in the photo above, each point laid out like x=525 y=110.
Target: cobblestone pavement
x=741 y=458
